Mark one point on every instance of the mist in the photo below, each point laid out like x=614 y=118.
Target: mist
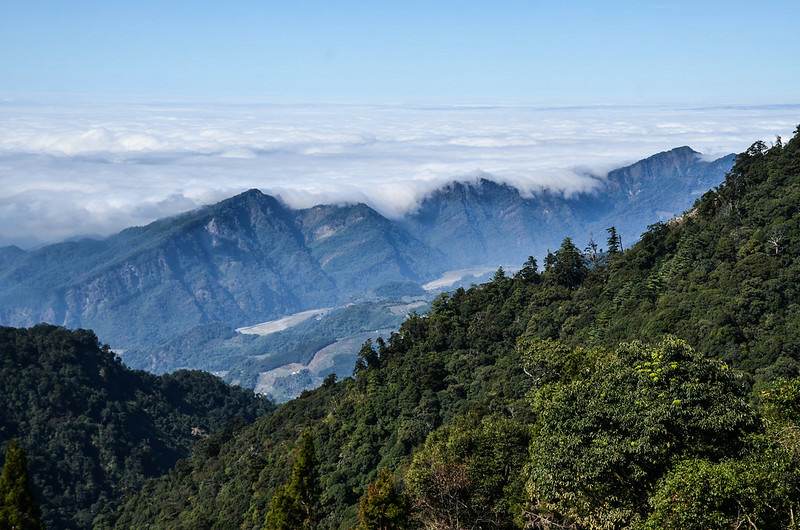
x=92 y=169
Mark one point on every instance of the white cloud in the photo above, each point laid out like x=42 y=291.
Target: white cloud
x=92 y=168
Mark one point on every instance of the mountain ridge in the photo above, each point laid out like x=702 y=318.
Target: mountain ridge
x=251 y=258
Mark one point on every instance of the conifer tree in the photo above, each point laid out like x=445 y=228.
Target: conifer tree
x=382 y=507
x=614 y=241
x=294 y=504
x=18 y=509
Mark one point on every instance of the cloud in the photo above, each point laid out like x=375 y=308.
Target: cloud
x=95 y=168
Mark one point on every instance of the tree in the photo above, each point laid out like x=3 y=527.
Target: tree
x=530 y=270
x=607 y=435
x=18 y=509
x=382 y=507
x=294 y=504
x=568 y=268
x=614 y=242
x=468 y=474
x=367 y=357
x=592 y=251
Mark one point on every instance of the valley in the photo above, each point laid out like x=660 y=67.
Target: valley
x=244 y=286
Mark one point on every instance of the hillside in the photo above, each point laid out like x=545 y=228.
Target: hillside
x=554 y=398
x=94 y=429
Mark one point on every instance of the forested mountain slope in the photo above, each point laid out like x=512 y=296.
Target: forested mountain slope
x=92 y=428
x=559 y=398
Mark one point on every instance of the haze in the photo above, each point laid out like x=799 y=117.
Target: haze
x=113 y=115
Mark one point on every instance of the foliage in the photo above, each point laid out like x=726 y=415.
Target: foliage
x=383 y=507
x=605 y=435
x=467 y=475
x=714 y=276
x=18 y=509
x=95 y=429
x=294 y=504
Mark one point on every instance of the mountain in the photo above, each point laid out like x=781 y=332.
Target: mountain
x=362 y=250
x=251 y=259
x=657 y=388
x=94 y=429
x=245 y=260
x=489 y=223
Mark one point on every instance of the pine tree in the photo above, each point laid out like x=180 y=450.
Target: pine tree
x=382 y=507
x=569 y=266
x=614 y=241
x=294 y=504
x=530 y=270
x=18 y=509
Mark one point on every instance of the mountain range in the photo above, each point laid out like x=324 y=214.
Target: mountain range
x=251 y=258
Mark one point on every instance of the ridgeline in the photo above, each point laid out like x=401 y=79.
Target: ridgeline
x=652 y=387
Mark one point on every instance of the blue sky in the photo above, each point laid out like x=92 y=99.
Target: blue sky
x=115 y=113
x=591 y=51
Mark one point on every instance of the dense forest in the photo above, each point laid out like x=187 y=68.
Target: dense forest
x=650 y=387
x=94 y=429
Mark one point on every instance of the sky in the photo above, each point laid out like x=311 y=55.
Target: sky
x=116 y=113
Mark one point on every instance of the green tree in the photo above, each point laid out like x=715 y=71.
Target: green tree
x=759 y=491
x=382 y=507
x=605 y=436
x=614 y=243
x=18 y=509
x=468 y=474
x=568 y=265
x=294 y=504
x=530 y=270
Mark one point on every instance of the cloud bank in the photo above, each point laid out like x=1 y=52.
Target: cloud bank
x=89 y=168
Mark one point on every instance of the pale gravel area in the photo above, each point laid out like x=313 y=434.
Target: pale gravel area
x=273 y=326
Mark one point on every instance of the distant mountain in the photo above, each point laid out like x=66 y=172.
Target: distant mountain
x=491 y=223
x=361 y=250
x=250 y=258
x=244 y=260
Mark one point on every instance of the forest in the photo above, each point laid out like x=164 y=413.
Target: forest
x=649 y=387
x=94 y=429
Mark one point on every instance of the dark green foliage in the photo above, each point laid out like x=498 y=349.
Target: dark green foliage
x=761 y=489
x=294 y=504
x=607 y=432
x=467 y=475
x=383 y=507
x=522 y=381
x=95 y=429
x=18 y=509
x=567 y=266
x=712 y=277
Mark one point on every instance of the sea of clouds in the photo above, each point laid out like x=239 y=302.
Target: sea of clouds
x=70 y=169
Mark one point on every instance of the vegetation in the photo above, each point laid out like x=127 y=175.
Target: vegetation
x=558 y=398
x=18 y=508
x=94 y=429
